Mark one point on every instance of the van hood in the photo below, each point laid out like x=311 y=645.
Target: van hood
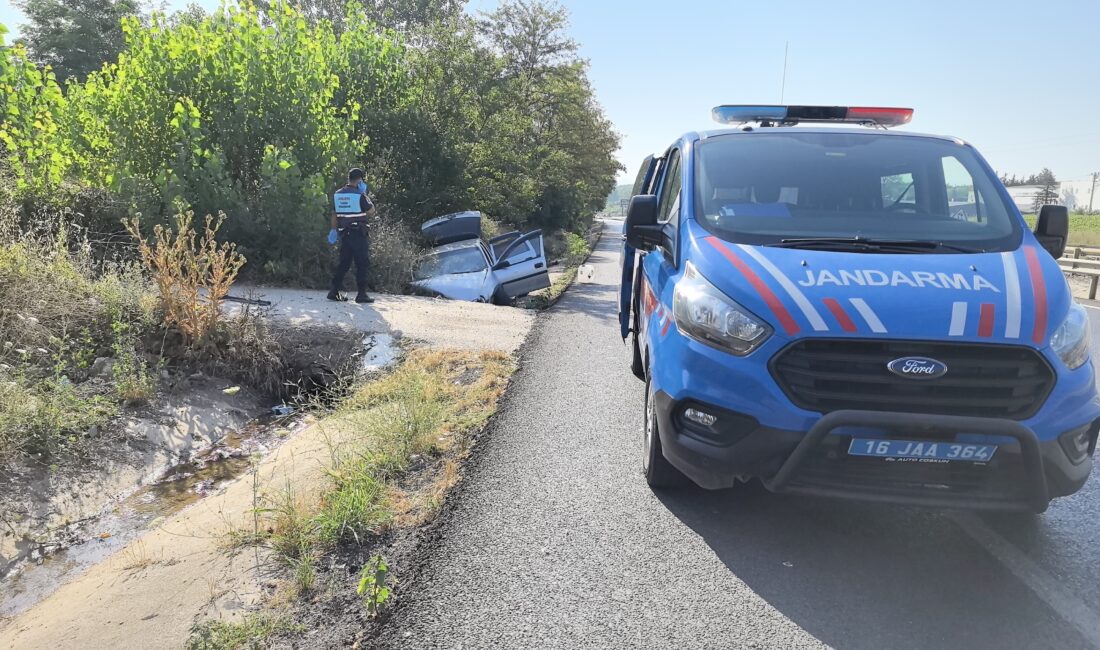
x=1018 y=297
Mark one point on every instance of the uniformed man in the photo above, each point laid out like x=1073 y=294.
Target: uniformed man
x=351 y=210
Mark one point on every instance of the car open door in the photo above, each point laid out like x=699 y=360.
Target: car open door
x=521 y=268
x=500 y=243
x=628 y=256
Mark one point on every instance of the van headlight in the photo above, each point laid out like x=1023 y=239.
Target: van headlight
x=1071 y=339
x=707 y=315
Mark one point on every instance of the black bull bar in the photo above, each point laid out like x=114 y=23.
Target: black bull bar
x=893 y=424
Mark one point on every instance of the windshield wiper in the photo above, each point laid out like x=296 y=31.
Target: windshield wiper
x=872 y=245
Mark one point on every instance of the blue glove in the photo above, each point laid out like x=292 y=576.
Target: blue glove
x=333 y=237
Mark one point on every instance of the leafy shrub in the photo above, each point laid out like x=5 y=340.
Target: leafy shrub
x=576 y=249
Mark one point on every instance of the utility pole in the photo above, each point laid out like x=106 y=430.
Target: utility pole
x=1092 y=193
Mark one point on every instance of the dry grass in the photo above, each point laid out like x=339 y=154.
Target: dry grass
x=402 y=440
x=193 y=272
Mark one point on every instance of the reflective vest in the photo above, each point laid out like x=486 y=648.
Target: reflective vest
x=348 y=203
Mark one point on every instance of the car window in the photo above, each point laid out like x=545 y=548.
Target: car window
x=763 y=187
x=670 y=188
x=964 y=199
x=462 y=260
x=899 y=189
x=523 y=252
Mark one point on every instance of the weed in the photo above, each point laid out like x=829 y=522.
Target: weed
x=374 y=585
x=193 y=273
x=133 y=382
x=393 y=254
x=250 y=633
x=42 y=416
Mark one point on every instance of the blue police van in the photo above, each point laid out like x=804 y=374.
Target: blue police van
x=838 y=309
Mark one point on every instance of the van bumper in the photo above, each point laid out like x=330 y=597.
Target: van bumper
x=1025 y=474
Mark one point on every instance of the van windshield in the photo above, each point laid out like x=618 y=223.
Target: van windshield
x=784 y=188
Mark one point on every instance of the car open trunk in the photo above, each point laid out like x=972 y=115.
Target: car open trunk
x=451 y=228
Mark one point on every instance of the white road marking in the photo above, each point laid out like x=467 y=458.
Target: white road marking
x=1065 y=604
x=958 y=319
x=868 y=315
x=816 y=321
x=1012 y=296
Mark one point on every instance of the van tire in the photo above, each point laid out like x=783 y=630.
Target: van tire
x=659 y=473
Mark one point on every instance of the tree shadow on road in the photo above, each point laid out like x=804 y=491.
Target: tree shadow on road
x=868 y=576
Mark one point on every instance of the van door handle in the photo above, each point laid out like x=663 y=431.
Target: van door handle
x=539 y=265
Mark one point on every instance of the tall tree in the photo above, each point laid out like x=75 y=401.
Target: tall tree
x=75 y=37
x=400 y=15
x=1048 y=189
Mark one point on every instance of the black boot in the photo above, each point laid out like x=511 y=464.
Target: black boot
x=336 y=296
x=363 y=298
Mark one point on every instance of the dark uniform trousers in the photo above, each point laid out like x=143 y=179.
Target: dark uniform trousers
x=354 y=248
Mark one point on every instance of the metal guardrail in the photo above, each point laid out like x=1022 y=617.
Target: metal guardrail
x=1083 y=260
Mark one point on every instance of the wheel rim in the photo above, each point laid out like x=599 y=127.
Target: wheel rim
x=649 y=431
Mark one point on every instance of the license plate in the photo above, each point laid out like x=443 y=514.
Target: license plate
x=918 y=450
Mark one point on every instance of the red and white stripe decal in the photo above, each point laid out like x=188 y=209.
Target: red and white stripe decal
x=808 y=310
x=769 y=297
x=985 y=320
x=840 y=315
x=1013 y=302
x=958 y=319
x=1039 y=290
x=868 y=315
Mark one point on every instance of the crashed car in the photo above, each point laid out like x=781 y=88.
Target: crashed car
x=463 y=266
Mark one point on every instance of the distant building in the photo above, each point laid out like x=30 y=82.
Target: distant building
x=1024 y=196
x=1081 y=196
x=1075 y=195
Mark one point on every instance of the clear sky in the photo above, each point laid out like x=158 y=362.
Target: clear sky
x=1021 y=82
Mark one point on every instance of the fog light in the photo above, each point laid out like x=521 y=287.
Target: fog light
x=699 y=417
x=1077 y=444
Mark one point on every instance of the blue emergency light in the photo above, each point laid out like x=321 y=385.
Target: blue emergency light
x=873 y=116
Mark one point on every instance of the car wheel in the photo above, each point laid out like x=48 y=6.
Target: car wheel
x=658 y=471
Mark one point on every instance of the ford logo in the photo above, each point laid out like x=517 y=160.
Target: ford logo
x=918 y=368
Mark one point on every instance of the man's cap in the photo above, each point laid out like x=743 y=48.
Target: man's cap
x=356 y=174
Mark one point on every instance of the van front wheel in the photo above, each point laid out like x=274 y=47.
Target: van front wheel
x=658 y=471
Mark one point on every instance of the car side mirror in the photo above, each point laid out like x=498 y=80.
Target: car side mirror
x=641 y=229
x=1052 y=229
x=503 y=264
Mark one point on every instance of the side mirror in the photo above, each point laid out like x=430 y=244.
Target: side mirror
x=501 y=265
x=1052 y=229
x=641 y=229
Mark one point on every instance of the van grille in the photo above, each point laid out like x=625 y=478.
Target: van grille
x=827 y=375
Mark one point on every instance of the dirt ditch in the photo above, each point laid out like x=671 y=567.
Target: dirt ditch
x=58 y=517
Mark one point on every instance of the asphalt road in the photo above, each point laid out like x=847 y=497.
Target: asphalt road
x=555 y=541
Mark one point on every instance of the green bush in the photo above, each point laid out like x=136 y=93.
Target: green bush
x=258 y=110
x=576 y=249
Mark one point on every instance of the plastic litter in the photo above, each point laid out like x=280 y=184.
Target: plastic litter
x=283 y=410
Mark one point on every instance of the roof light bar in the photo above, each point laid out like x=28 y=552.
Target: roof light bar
x=876 y=116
